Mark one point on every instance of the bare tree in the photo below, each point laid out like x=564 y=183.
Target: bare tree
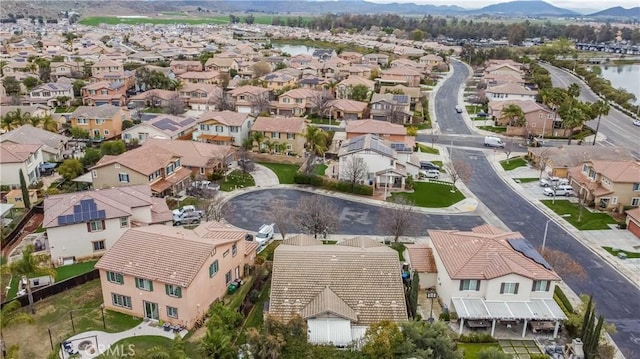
x=434 y=139
x=353 y=170
x=222 y=102
x=152 y=99
x=260 y=69
x=563 y=263
x=244 y=160
x=509 y=147
x=175 y=106
x=321 y=103
x=281 y=215
x=213 y=206
x=316 y=215
x=395 y=114
x=458 y=170
x=260 y=103
x=542 y=164
x=399 y=220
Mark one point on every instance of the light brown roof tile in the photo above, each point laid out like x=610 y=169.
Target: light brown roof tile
x=279 y=124
x=421 y=258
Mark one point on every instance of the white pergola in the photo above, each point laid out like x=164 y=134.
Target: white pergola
x=534 y=309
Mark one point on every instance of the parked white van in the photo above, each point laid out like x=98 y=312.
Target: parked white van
x=265 y=233
x=492 y=141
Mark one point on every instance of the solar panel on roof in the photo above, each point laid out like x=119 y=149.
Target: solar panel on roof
x=62 y=220
x=526 y=248
x=401 y=98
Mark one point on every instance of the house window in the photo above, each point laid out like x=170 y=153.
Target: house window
x=592 y=174
x=173 y=291
x=585 y=168
x=226 y=253
x=169 y=169
x=106 y=132
x=541 y=286
x=172 y=312
x=94 y=173
x=121 y=300
x=83 y=121
x=123 y=177
x=614 y=200
x=144 y=284
x=291 y=136
x=99 y=121
x=114 y=277
x=234 y=249
x=509 y=288
x=275 y=134
x=470 y=285
x=213 y=268
x=227 y=277
x=204 y=127
x=201 y=170
x=124 y=222
x=219 y=129
x=96 y=226
x=635 y=201
x=234 y=129
x=636 y=187
x=98 y=246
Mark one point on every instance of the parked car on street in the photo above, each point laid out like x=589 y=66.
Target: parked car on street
x=562 y=190
x=636 y=122
x=492 y=141
x=459 y=109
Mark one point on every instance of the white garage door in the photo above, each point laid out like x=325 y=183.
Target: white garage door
x=244 y=109
x=336 y=331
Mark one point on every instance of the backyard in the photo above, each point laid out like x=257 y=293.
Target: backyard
x=471 y=350
x=284 y=171
x=236 y=179
x=431 y=195
x=588 y=221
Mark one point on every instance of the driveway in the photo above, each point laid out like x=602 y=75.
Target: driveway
x=264 y=177
x=250 y=210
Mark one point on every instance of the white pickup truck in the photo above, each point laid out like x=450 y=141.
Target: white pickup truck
x=187 y=215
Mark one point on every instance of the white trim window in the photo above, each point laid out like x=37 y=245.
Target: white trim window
x=541 y=286
x=124 y=222
x=509 y=288
x=123 y=177
x=471 y=285
x=172 y=312
x=114 y=277
x=120 y=300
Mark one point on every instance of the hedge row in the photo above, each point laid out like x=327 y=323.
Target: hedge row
x=318 y=181
x=562 y=300
x=477 y=338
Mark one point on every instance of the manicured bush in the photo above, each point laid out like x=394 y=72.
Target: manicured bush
x=477 y=338
x=444 y=316
x=318 y=181
x=563 y=298
x=538 y=356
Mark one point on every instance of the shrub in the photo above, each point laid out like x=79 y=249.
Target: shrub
x=254 y=295
x=477 y=338
x=538 y=356
x=444 y=316
x=563 y=298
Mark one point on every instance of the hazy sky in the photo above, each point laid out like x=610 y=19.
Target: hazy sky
x=575 y=4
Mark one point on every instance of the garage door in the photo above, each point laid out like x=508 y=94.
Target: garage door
x=330 y=330
x=634 y=228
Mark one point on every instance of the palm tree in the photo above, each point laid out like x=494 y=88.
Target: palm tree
x=11 y=314
x=281 y=148
x=258 y=137
x=29 y=265
x=271 y=145
x=553 y=98
x=597 y=110
x=316 y=140
x=247 y=143
x=176 y=351
x=572 y=116
x=3 y=63
x=7 y=122
x=49 y=124
x=514 y=114
x=32 y=67
x=573 y=90
x=34 y=121
x=18 y=118
x=217 y=345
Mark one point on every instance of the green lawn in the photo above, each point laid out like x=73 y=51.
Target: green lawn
x=589 y=220
x=471 y=350
x=236 y=179
x=526 y=179
x=153 y=110
x=284 y=171
x=615 y=253
x=493 y=129
x=471 y=109
x=72 y=270
x=320 y=170
x=439 y=164
x=432 y=195
x=513 y=163
x=267 y=253
x=13 y=291
x=140 y=344
x=65 y=109
x=428 y=149
x=325 y=121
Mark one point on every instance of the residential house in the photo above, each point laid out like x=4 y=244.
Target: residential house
x=51 y=94
x=387 y=164
x=202 y=97
x=351 y=56
x=344 y=87
x=106 y=65
x=347 y=109
x=498 y=79
x=200 y=77
x=421 y=260
x=376 y=59
x=287 y=130
x=324 y=54
x=167 y=127
x=608 y=185
x=354 y=70
x=490 y=275
x=538 y=119
x=155 y=165
x=250 y=99
x=17 y=156
x=392 y=108
x=510 y=91
x=312 y=83
x=296 y=102
x=102 y=122
x=431 y=60
x=83 y=225
x=556 y=161
x=15 y=197
x=53 y=145
x=277 y=81
x=124 y=78
x=33 y=110
x=163 y=273
x=223 y=128
x=152 y=98
x=104 y=92
x=392 y=132
x=220 y=64
x=181 y=66
x=633 y=221
x=414 y=93
x=400 y=75
x=64 y=69
x=504 y=69
x=201 y=158
x=410 y=64
x=324 y=285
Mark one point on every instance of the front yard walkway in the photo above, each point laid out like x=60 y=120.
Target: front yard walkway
x=93 y=343
x=264 y=177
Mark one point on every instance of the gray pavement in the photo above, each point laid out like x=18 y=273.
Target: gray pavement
x=264 y=177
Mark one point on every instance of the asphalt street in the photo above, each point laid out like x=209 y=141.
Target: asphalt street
x=249 y=211
x=615 y=297
x=447 y=100
x=616 y=126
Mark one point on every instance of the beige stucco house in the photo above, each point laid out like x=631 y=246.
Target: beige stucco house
x=170 y=274
x=288 y=130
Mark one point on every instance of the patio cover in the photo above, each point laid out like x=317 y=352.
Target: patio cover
x=86 y=178
x=533 y=309
x=5 y=208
